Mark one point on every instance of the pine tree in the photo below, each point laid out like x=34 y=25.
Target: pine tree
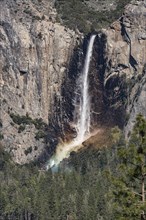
x=129 y=187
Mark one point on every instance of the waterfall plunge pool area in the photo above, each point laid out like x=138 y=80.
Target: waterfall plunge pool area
x=82 y=114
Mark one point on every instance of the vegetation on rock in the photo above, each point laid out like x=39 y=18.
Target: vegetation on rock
x=76 y=14
x=81 y=189
x=23 y=120
x=129 y=186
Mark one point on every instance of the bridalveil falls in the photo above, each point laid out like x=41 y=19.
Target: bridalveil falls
x=81 y=113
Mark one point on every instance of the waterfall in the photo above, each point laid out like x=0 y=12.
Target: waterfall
x=82 y=113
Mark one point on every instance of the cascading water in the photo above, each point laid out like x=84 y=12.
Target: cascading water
x=82 y=112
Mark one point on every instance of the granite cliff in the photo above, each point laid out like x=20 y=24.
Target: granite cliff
x=117 y=74
x=126 y=59
x=35 y=52
x=40 y=62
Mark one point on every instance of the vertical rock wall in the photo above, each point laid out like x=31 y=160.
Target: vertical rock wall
x=35 y=52
x=40 y=63
x=125 y=76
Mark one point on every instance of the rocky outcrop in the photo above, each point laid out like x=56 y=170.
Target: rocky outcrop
x=35 y=52
x=137 y=102
x=126 y=60
x=117 y=72
x=40 y=63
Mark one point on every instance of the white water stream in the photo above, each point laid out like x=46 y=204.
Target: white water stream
x=83 y=124
x=82 y=113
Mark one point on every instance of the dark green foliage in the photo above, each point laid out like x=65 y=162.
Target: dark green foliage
x=27 y=120
x=77 y=14
x=80 y=190
x=21 y=128
x=4 y=156
x=39 y=124
x=17 y=119
x=28 y=151
x=129 y=186
x=77 y=194
x=40 y=134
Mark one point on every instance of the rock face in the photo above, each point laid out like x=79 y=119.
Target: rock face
x=117 y=77
x=40 y=63
x=126 y=59
x=35 y=52
x=137 y=102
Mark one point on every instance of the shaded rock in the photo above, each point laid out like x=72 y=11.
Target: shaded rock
x=35 y=52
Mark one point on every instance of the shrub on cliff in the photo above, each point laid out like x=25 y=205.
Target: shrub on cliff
x=77 y=14
x=17 y=119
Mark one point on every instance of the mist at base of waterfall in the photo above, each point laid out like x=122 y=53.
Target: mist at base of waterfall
x=81 y=113
x=63 y=151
